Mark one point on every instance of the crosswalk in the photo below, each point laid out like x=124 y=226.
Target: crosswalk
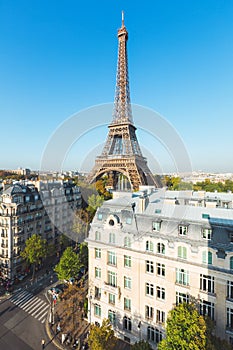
x=31 y=304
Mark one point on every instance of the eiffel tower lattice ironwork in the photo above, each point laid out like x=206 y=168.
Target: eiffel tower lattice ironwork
x=122 y=153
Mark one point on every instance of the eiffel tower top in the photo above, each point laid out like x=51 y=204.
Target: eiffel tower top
x=122 y=112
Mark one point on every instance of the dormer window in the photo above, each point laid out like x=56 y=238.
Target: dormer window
x=100 y=216
x=183 y=230
x=156 y=225
x=207 y=233
x=111 y=222
x=129 y=221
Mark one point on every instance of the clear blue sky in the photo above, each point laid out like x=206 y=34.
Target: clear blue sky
x=59 y=57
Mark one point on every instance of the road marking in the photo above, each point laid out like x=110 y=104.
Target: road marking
x=39 y=308
x=34 y=306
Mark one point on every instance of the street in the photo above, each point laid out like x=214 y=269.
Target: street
x=22 y=320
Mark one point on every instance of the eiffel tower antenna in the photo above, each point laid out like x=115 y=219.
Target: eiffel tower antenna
x=122 y=19
x=121 y=153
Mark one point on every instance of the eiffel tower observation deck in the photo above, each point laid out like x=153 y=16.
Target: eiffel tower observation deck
x=121 y=157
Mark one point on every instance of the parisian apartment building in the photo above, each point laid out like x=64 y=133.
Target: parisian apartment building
x=153 y=249
x=45 y=208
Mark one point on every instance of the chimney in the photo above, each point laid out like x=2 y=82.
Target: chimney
x=143 y=202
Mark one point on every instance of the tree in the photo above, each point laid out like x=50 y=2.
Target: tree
x=101 y=337
x=83 y=256
x=100 y=186
x=94 y=202
x=68 y=265
x=35 y=249
x=81 y=224
x=185 y=329
x=141 y=345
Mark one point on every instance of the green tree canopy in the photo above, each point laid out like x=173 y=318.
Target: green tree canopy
x=94 y=202
x=101 y=337
x=35 y=249
x=141 y=345
x=83 y=256
x=68 y=265
x=185 y=329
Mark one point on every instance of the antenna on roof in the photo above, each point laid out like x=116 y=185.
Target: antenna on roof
x=122 y=18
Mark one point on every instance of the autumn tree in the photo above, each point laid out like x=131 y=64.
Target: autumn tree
x=35 y=249
x=81 y=224
x=68 y=265
x=101 y=337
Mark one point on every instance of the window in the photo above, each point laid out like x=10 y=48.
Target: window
x=230 y=289
x=160 y=248
x=183 y=230
x=97 y=272
x=160 y=316
x=149 y=246
x=127 y=242
x=97 y=310
x=97 y=253
x=160 y=293
x=112 y=238
x=149 y=266
x=112 y=317
x=112 y=260
x=127 y=282
x=156 y=225
x=97 y=236
x=231 y=263
x=182 y=277
x=207 y=283
x=205 y=216
x=208 y=261
x=111 y=298
x=182 y=298
x=154 y=335
x=149 y=289
x=149 y=312
x=207 y=309
x=182 y=252
x=207 y=233
x=229 y=318
x=129 y=221
x=127 y=324
x=100 y=216
x=160 y=268
x=112 y=279
x=127 y=261
x=97 y=292
x=127 y=304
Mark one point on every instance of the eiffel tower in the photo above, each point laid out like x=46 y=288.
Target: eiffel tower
x=121 y=153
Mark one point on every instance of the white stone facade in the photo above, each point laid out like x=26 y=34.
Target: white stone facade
x=148 y=252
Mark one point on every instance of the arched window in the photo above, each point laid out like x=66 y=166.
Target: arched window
x=231 y=263
x=112 y=238
x=127 y=242
x=182 y=252
x=161 y=248
x=149 y=246
x=207 y=258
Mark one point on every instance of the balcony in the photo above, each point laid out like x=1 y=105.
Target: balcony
x=110 y=288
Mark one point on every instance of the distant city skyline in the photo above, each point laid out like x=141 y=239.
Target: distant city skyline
x=58 y=60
